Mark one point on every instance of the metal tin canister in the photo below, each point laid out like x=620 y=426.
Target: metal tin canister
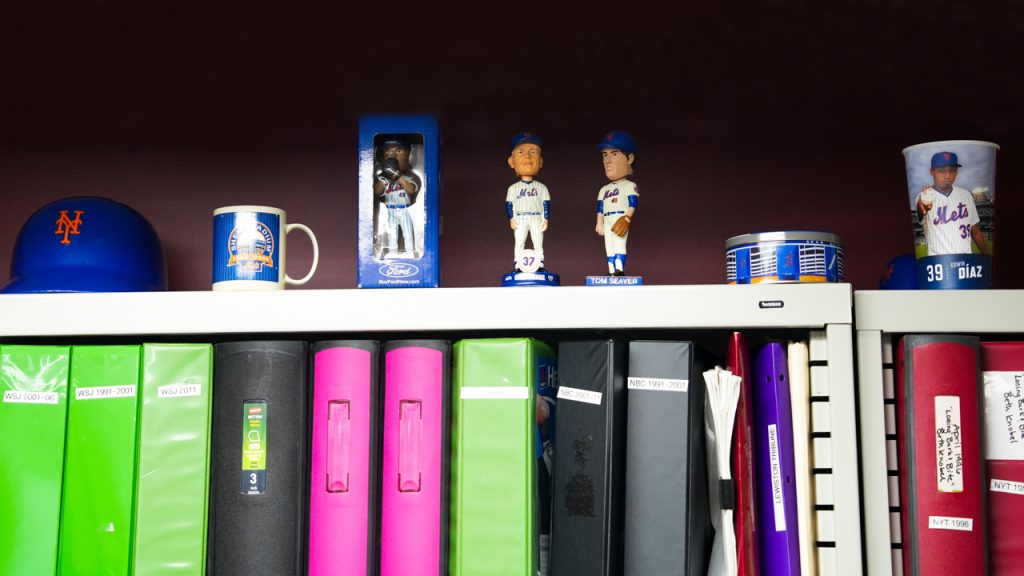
x=788 y=256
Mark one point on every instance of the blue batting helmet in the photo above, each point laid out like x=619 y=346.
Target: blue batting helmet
x=618 y=140
x=87 y=244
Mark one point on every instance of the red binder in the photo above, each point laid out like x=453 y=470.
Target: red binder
x=745 y=514
x=939 y=422
x=1002 y=365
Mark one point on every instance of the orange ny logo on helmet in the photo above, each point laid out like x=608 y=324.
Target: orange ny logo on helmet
x=67 y=226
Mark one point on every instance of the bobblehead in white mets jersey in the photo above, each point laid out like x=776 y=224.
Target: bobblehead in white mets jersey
x=947 y=224
x=613 y=199
x=398 y=217
x=528 y=198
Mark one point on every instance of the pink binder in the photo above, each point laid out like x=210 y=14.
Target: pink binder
x=344 y=491
x=414 y=480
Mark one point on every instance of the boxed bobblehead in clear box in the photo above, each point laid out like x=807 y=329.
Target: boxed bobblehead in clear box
x=399 y=185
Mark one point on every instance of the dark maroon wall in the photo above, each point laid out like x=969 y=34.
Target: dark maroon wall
x=750 y=116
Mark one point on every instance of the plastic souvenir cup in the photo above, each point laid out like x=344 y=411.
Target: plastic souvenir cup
x=952 y=193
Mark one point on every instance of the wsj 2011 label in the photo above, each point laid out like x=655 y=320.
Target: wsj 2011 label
x=254 y=447
x=104 y=392
x=949 y=454
x=25 y=397
x=665 y=384
x=179 y=390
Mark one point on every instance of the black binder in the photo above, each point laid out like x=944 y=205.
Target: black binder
x=590 y=454
x=260 y=459
x=668 y=529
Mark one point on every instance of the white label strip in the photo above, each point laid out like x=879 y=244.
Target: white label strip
x=495 y=393
x=949 y=454
x=950 y=523
x=577 y=395
x=666 y=384
x=1007 y=487
x=25 y=397
x=179 y=390
x=776 y=467
x=1004 y=415
x=104 y=392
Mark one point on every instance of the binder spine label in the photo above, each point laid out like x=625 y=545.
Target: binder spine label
x=179 y=390
x=578 y=395
x=778 y=502
x=1007 y=487
x=494 y=393
x=254 y=447
x=25 y=397
x=664 y=384
x=1004 y=415
x=949 y=455
x=950 y=523
x=104 y=392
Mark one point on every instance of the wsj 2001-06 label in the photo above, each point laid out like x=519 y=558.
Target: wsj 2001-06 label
x=104 y=392
x=578 y=395
x=664 y=384
x=26 y=397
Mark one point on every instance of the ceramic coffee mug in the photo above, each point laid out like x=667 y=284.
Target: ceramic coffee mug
x=249 y=248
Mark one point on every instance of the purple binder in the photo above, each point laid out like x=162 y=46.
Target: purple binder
x=776 y=482
x=414 y=479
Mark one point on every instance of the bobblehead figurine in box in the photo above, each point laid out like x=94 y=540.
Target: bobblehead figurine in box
x=396 y=185
x=399 y=185
x=528 y=206
x=617 y=200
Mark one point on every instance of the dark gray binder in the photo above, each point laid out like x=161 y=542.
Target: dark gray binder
x=260 y=459
x=587 y=519
x=668 y=529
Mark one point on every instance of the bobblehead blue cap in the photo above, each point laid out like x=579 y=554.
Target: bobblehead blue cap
x=397 y=142
x=943 y=159
x=524 y=138
x=618 y=140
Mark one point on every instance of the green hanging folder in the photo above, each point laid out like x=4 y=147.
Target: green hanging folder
x=173 y=454
x=33 y=407
x=495 y=511
x=99 y=463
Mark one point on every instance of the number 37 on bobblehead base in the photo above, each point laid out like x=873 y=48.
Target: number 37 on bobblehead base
x=399 y=183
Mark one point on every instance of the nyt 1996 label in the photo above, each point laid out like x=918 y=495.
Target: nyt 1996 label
x=950 y=523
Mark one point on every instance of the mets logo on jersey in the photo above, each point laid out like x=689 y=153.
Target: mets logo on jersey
x=67 y=226
x=251 y=248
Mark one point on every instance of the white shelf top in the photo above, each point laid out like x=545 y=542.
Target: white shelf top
x=979 y=311
x=426 y=309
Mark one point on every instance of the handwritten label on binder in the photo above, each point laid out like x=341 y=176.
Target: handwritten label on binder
x=1004 y=415
x=949 y=454
x=950 y=523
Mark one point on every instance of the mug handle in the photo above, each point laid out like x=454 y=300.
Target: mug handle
x=316 y=254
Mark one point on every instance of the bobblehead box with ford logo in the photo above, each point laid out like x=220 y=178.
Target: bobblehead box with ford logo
x=399 y=184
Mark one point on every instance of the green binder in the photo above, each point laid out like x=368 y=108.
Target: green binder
x=99 y=465
x=494 y=504
x=172 y=470
x=34 y=384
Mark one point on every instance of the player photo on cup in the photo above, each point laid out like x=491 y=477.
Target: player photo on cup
x=398 y=186
x=952 y=187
